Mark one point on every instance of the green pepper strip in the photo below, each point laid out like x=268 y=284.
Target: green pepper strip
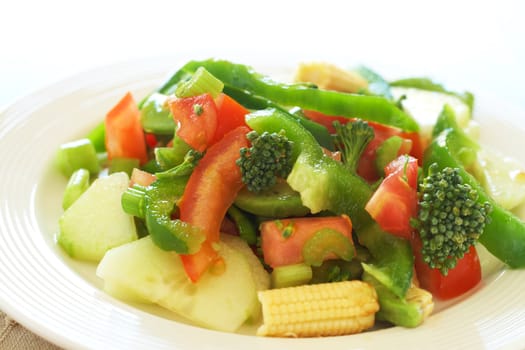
x=504 y=235
x=166 y=233
x=327 y=185
x=367 y=107
x=246 y=226
x=251 y=101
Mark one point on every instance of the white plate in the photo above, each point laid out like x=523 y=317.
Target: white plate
x=61 y=300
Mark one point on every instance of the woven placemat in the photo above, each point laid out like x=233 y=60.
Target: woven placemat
x=14 y=336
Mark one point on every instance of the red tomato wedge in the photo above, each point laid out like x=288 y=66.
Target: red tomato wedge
x=230 y=115
x=196 y=117
x=459 y=280
x=124 y=135
x=283 y=240
x=395 y=200
x=211 y=189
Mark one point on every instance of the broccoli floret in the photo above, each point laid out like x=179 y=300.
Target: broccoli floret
x=351 y=140
x=450 y=219
x=268 y=158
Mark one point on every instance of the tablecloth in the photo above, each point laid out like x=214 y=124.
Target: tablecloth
x=14 y=336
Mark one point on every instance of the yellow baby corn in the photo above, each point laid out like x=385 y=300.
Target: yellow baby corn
x=318 y=310
x=330 y=77
x=422 y=298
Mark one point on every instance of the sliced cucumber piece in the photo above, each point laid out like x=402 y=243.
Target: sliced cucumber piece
x=96 y=222
x=502 y=177
x=425 y=106
x=280 y=201
x=217 y=301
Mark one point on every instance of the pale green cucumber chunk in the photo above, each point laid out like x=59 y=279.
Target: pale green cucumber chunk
x=96 y=222
x=425 y=106
x=502 y=177
x=217 y=301
x=261 y=277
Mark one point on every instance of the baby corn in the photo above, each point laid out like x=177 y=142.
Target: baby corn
x=422 y=298
x=330 y=77
x=326 y=309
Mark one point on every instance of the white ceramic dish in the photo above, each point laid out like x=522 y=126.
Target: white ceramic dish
x=61 y=300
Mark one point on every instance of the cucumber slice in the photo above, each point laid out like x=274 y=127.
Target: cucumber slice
x=217 y=301
x=95 y=222
x=502 y=177
x=280 y=201
x=425 y=106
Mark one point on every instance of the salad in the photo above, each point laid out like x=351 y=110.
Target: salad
x=312 y=208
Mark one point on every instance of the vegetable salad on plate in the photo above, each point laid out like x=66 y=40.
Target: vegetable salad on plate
x=312 y=208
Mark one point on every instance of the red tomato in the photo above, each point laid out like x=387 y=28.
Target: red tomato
x=141 y=177
x=281 y=249
x=197 y=119
x=230 y=114
x=325 y=120
x=211 y=190
x=465 y=276
x=124 y=135
x=395 y=200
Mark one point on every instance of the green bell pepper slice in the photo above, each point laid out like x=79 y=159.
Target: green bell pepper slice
x=167 y=233
x=367 y=107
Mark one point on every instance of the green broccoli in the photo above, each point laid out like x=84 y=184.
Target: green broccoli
x=450 y=219
x=351 y=140
x=268 y=158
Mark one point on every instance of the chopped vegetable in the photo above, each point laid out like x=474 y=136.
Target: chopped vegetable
x=78 y=154
x=318 y=310
x=200 y=83
x=450 y=219
x=268 y=158
x=285 y=242
x=95 y=222
x=394 y=202
x=351 y=140
x=78 y=183
x=124 y=134
x=210 y=191
x=196 y=118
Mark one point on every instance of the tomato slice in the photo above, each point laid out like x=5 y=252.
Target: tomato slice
x=124 y=135
x=395 y=200
x=230 y=115
x=459 y=280
x=283 y=240
x=196 y=117
x=211 y=190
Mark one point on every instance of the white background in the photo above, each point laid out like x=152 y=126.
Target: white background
x=468 y=45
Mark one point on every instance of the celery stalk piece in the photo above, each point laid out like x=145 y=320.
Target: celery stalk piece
x=78 y=183
x=78 y=154
x=201 y=82
x=291 y=275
